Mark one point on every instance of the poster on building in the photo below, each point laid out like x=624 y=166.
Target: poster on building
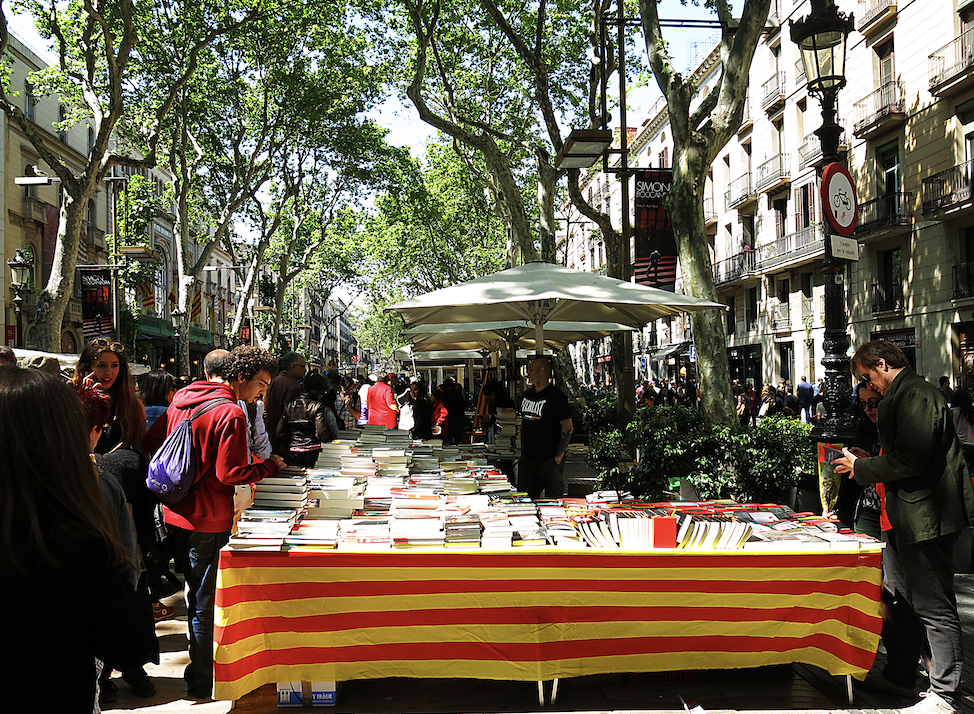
x=654 y=262
x=96 y=303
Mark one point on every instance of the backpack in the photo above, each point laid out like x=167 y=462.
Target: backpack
x=172 y=470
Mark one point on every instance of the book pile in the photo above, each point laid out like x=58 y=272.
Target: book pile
x=390 y=462
x=334 y=496
x=330 y=457
x=313 y=534
x=348 y=435
x=416 y=532
x=497 y=529
x=358 y=466
x=493 y=481
x=558 y=527
x=364 y=534
x=462 y=531
x=286 y=489
x=262 y=529
x=398 y=439
x=458 y=484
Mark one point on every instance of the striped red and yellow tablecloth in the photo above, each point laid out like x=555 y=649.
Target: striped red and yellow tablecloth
x=537 y=614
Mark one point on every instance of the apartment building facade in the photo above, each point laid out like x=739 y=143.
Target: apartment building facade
x=908 y=120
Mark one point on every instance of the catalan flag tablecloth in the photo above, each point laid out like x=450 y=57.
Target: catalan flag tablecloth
x=537 y=614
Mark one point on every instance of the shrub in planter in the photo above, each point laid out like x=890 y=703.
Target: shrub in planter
x=673 y=443
x=597 y=414
x=779 y=454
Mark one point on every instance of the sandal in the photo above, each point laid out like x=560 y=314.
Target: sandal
x=162 y=612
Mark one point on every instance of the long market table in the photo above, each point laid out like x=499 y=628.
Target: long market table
x=538 y=614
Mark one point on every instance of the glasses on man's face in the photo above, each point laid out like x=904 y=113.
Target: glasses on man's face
x=871 y=403
x=262 y=383
x=108 y=345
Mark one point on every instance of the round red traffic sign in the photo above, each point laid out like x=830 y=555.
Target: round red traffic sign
x=839 y=199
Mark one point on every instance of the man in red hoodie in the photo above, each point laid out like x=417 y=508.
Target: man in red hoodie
x=200 y=523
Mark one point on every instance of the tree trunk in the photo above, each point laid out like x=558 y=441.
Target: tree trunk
x=686 y=210
x=53 y=300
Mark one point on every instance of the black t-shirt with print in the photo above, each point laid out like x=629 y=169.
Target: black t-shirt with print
x=541 y=417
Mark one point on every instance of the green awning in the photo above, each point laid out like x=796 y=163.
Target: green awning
x=156 y=326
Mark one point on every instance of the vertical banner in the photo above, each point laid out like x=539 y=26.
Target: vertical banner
x=655 y=251
x=96 y=303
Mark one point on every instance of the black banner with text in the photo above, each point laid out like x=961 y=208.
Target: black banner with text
x=654 y=262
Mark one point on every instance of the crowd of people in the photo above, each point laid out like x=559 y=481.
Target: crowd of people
x=87 y=552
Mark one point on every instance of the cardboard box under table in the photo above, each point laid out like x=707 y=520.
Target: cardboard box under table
x=538 y=614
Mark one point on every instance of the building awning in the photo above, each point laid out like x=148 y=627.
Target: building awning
x=670 y=350
x=155 y=327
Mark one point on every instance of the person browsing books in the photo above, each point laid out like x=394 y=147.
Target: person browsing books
x=201 y=522
x=929 y=500
x=546 y=431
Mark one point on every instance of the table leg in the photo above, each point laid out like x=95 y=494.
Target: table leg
x=554 y=690
x=848 y=688
x=540 y=693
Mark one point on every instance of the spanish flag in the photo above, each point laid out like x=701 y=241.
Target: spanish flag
x=148 y=297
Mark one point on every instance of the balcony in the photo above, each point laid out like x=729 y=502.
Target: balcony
x=782 y=317
x=773 y=92
x=874 y=14
x=963 y=281
x=799 y=246
x=33 y=210
x=709 y=214
x=799 y=73
x=747 y=121
x=881 y=111
x=808 y=309
x=96 y=238
x=889 y=210
x=810 y=151
x=735 y=268
x=887 y=296
x=951 y=68
x=739 y=193
x=74 y=312
x=774 y=173
x=948 y=188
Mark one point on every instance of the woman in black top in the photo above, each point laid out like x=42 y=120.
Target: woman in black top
x=61 y=563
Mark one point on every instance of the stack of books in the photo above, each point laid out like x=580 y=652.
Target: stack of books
x=462 y=531
x=262 y=529
x=287 y=489
x=364 y=534
x=416 y=532
x=313 y=534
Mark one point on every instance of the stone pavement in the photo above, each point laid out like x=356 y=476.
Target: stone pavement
x=768 y=690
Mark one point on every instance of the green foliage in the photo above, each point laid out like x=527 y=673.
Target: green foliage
x=673 y=443
x=377 y=331
x=597 y=414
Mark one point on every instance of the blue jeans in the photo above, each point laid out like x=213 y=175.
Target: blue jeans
x=198 y=555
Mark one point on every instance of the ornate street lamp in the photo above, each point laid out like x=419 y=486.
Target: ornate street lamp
x=821 y=37
x=20 y=272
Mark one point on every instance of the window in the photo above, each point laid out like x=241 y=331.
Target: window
x=747 y=229
x=30 y=191
x=62 y=130
x=30 y=102
x=664 y=158
x=884 y=55
x=889 y=293
x=731 y=315
x=888 y=169
x=778 y=136
x=751 y=312
x=805 y=206
x=91 y=140
x=92 y=214
x=780 y=207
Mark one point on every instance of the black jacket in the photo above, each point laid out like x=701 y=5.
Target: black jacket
x=305 y=424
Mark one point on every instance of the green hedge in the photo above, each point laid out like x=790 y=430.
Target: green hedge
x=673 y=443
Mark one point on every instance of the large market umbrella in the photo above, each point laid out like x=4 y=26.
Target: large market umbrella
x=486 y=335
x=541 y=292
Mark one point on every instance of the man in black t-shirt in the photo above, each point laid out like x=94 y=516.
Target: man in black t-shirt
x=546 y=430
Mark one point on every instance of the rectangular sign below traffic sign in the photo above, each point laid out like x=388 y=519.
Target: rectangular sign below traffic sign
x=847 y=248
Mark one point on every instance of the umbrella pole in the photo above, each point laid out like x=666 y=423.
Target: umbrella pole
x=539 y=337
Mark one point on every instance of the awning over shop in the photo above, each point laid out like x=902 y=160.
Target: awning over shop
x=669 y=351
x=155 y=327
x=201 y=336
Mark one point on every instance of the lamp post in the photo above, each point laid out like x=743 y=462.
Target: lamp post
x=821 y=38
x=20 y=270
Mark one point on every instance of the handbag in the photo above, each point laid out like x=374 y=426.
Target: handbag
x=764 y=409
x=406 y=420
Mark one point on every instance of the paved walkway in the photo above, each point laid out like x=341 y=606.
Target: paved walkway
x=766 y=690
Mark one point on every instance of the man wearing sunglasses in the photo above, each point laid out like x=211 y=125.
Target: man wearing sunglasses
x=929 y=500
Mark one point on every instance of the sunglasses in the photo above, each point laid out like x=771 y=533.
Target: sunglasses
x=871 y=404
x=108 y=345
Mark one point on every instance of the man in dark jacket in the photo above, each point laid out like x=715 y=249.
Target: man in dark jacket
x=929 y=499
x=806 y=393
x=281 y=391
x=201 y=522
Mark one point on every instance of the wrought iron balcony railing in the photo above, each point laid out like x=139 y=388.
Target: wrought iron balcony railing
x=891 y=209
x=948 y=187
